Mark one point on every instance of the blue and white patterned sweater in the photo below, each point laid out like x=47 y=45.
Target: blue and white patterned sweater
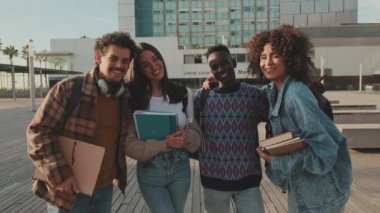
x=230 y=120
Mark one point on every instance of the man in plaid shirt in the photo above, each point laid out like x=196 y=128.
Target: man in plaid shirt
x=101 y=117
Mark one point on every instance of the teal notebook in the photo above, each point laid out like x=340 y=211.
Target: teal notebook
x=154 y=125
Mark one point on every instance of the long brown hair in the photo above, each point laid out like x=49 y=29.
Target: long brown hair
x=140 y=85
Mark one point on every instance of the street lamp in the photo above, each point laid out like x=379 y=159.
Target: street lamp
x=31 y=76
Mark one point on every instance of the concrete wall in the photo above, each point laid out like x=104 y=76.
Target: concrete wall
x=346 y=60
x=83 y=57
x=343 y=60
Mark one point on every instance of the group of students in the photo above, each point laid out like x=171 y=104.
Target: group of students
x=316 y=179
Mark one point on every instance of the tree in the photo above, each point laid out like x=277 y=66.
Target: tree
x=57 y=62
x=25 y=55
x=0 y=43
x=40 y=59
x=11 y=51
x=44 y=58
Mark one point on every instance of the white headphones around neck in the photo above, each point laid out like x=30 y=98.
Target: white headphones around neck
x=106 y=88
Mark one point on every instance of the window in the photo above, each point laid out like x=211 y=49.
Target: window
x=247 y=9
x=193 y=59
x=198 y=59
x=188 y=59
x=240 y=58
x=260 y=8
x=170 y=11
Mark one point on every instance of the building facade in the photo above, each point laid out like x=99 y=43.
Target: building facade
x=202 y=23
x=182 y=30
x=305 y=13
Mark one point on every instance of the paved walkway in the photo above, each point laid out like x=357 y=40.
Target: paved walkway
x=16 y=169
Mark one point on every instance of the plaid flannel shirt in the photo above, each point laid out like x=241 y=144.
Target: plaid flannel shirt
x=49 y=122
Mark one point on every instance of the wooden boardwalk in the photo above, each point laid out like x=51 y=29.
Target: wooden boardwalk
x=16 y=171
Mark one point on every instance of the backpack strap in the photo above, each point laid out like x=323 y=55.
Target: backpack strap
x=75 y=96
x=202 y=103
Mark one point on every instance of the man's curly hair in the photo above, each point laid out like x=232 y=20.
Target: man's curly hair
x=289 y=42
x=120 y=39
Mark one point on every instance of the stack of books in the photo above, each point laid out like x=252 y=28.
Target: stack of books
x=282 y=144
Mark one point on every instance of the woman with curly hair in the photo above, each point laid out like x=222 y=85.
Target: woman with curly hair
x=318 y=177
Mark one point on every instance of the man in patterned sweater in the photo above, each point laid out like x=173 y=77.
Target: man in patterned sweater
x=229 y=165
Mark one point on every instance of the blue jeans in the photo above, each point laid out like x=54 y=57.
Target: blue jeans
x=99 y=202
x=249 y=200
x=292 y=207
x=164 y=181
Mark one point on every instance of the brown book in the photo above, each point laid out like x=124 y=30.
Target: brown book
x=285 y=147
x=282 y=144
x=85 y=160
x=278 y=138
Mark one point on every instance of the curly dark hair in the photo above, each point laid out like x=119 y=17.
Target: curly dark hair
x=217 y=48
x=121 y=39
x=289 y=42
x=140 y=86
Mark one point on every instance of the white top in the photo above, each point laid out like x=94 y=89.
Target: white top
x=158 y=104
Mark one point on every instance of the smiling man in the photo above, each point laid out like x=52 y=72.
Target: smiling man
x=100 y=117
x=229 y=165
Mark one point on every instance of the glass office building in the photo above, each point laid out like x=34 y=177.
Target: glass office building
x=201 y=23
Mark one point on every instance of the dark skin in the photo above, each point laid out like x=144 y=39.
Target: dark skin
x=222 y=69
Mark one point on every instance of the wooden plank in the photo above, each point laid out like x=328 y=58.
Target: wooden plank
x=196 y=192
x=352 y=106
x=17 y=169
x=277 y=201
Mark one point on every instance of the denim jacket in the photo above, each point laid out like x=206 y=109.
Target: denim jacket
x=319 y=176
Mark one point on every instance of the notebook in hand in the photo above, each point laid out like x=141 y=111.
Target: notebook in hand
x=154 y=125
x=282 y=144
x=84 y=159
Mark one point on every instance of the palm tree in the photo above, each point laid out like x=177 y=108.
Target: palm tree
x=57 y=62
x=44 y=58
x=39 y=59
x=11 y=51
x=25 y=55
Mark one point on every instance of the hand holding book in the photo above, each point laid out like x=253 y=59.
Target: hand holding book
x=176 y=140
x=282 y=144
